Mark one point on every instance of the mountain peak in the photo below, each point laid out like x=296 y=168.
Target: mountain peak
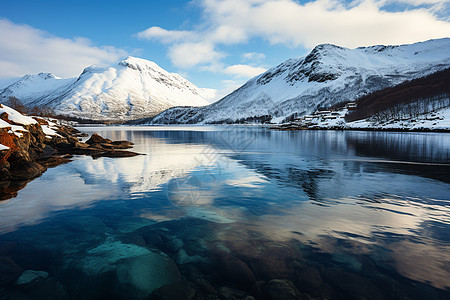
x=47 y=76
x=326 y=76
x=328 y=46
x=44 y=76
x=133 y=88
x=139 y=64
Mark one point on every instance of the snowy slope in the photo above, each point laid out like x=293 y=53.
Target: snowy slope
x=328 y=75
x=34 y=88
x=134 y=88
x=5 y=82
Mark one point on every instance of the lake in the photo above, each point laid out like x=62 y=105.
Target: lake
x=213 y=212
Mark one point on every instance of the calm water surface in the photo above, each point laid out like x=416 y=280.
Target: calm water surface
x=223 y=212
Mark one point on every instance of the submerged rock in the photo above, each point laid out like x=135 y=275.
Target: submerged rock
x=29 y=275
x=353 y=285
x=147 y=273
x=282 y=289
x=234 y=270
x=231 y=293
x=104 y=257
x=9 y=271
x=137 y=270
x=308 y=279
x=181 y=290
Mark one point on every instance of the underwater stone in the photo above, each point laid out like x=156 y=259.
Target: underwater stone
x=184 y=258
x=102 y=258
x=309 y=279
x=9 y=270
x=234 y=270
x=30 y=275
x=208 y=215
x=181 y=290
x=147 y=273
x=282 y=289
x=231 y=293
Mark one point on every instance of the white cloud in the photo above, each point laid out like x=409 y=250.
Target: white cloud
x=253 y=56
x=165 y=36
x=244 y=71
x=287 y=22
x=25 y=50
x=416 y=2
x=186 y=55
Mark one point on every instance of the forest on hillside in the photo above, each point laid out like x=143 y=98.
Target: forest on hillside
x=407 y=100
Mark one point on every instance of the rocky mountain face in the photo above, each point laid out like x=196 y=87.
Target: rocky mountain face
x=135 y=88
x=327 y=76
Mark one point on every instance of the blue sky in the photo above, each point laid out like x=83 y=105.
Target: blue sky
x=214 y=43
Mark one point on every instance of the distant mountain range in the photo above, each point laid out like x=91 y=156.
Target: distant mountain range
x=138 y=89
x=327 y=76
x=135 y=88
x=421 y=104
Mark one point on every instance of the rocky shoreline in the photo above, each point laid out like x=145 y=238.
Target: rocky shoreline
x=30 y=145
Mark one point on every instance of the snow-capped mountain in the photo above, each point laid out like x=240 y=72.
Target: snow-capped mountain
x=328 y=75
x=135 y=88
x=33 y=88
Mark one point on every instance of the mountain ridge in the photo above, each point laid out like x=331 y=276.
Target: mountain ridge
x=328 y=75
x=133 y=88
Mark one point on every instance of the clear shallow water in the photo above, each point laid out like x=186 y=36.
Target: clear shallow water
x=217 y=211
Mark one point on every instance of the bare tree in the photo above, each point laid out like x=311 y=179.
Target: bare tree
x=16 y=104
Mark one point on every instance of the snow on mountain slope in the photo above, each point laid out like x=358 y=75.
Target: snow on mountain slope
x=5 y=82
x=135 y=88
x=34 y=88
x=328 y=75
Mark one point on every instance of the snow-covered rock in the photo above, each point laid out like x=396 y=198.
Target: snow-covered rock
x=328 y=75
x=16 y=117
x=21 y=120
x=134 y=88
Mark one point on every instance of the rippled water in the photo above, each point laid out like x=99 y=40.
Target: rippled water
x=223 y=212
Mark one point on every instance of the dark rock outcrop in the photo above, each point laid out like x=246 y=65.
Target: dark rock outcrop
x=31 y=151
x=96 y=139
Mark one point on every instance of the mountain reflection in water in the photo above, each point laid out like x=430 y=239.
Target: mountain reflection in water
x=328 y=214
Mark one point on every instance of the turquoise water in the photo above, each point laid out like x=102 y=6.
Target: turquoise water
x=223 y=212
